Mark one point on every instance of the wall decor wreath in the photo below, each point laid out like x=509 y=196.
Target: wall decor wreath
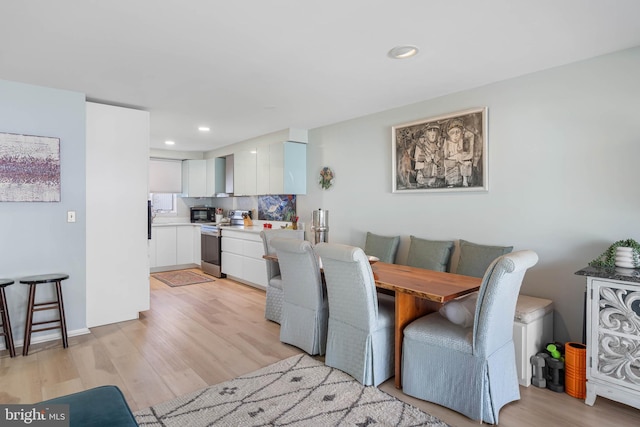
x=326 y=178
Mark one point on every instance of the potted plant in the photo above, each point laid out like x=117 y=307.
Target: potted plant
x=628 y=256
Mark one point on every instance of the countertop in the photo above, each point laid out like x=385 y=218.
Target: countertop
x=256 y=228
x=613 y=273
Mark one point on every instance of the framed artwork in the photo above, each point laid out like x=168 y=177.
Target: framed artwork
x=277 y=207
x=29 y=168
x=443 y=153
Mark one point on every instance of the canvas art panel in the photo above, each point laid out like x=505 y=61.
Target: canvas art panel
x=29 y=168
x=277 y=207
x=443 y=153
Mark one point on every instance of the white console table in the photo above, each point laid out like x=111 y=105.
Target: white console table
x=613 y=334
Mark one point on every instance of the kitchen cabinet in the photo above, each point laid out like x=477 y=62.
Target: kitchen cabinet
x=282 y=168
x=166 y=248
x=244 y=172
x=194 y=178
x=174 y=245
x=613 y=335
x=242 y=257
x=214 y=181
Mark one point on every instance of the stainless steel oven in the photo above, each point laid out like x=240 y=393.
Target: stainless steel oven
x=211 y=241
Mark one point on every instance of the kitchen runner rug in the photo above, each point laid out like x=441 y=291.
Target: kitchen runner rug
x=298 y=391
x=181 y=278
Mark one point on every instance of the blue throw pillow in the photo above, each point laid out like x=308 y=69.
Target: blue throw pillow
x=475 y=259
x=429 y=254
x=383 y=247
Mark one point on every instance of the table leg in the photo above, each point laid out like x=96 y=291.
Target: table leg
x=408 y=308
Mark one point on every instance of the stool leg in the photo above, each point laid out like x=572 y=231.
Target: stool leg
x=29 y=321
x=6 y=324
x=63 y=322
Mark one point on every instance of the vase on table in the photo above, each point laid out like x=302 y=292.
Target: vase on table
x=627 y=258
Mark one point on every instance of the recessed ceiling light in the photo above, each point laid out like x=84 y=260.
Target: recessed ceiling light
x=170 y=142
x=403 y=52
x=203 y=129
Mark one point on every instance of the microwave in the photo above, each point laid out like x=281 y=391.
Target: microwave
x=203 y=214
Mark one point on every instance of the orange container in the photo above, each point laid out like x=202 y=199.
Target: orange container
x=575 y=369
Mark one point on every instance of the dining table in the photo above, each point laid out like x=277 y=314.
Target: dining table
x=418 y=292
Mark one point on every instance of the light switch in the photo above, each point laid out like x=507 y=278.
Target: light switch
x=71 y=216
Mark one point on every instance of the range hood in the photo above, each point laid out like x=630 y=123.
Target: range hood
x=224 y=176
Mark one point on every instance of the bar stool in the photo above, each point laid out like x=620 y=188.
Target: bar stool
x=58 y=304
x=6 y=323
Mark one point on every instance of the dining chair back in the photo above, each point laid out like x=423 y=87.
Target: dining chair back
x=273 y=306
x=360 y=339
x=439 y=356
x=304 y=309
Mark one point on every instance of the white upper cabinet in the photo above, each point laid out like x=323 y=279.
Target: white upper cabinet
x=244 y=172
x=294 y=175
x=194 y=178
x=282 y=168
x=211 y=178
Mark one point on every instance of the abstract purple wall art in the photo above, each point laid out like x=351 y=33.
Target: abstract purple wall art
x=29 y=168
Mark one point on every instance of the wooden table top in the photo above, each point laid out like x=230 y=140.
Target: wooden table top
x=435 y=286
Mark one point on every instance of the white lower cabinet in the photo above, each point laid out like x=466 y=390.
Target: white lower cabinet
x=242 y=257
x=166 y=249
x=174 y=245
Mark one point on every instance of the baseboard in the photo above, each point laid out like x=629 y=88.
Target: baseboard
x=45 y=338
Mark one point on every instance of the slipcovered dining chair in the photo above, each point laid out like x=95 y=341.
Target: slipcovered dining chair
x=273 y=306
x=471 y=370
x=360 y=339
x=304 y=309
x=382 y=247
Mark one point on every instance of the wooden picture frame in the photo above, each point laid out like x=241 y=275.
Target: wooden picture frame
x=441 y=154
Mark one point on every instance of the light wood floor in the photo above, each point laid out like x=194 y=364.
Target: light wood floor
x=204 y=334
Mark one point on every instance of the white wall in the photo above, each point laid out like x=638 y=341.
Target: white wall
x=564 y=147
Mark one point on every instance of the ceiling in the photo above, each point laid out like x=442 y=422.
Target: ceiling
x=252 y=67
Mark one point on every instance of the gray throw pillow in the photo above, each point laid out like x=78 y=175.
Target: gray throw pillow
x=429 y=254
x=383 y=247
x=475 y=259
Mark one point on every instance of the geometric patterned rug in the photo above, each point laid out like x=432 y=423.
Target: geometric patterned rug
x=181 y=278
x=298 y=391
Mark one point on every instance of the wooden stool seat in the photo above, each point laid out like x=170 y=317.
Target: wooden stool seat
x=58 y=304
x=6 y=323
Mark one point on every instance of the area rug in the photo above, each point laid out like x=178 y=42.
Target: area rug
x=298 y=391
x=181 y=278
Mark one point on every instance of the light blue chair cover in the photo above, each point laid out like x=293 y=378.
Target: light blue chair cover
x=360 y=340
x=470 y=370
x=304 y=310
x=273 y=306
